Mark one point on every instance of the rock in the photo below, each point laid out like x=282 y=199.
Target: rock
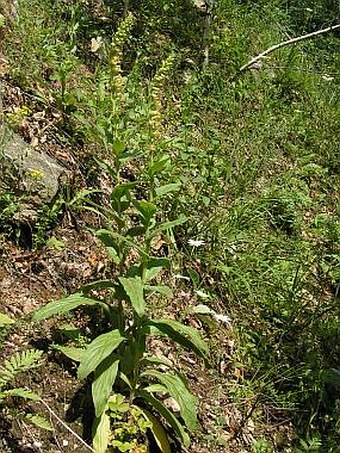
x=32 y=177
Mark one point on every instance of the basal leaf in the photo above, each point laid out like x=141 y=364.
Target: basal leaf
x=97 y=351
x=71 y=352
x=168 y=416
x=178 y=390
x=133 y=288
x=104 y=378
x=61 y=306
x=182 y=334
x=158 y=432
x=101 y=433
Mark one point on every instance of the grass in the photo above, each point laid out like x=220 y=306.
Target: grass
x=258 y=158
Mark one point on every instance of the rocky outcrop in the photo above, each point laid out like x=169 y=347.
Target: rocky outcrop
x=32 y=178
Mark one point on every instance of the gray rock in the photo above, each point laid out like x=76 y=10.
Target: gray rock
x=34 y=178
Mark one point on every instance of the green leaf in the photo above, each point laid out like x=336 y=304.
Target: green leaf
x=159 y=166
x=160 y=289
x=4 y=319
x=158 y=431
x=101 y=433
x=157 y=388
x=71 y=352
x=118 y=147
x=168 y=188
x=97 y=285
x=104 y=379
x=147 y=211
x=168 y=416
x=133 y=287
x=111 y=235
x=61 y=306
x=125 y=379
x=100 y=348
x=178 y=390
x=136 y=231
x=195 y=277
x=182 y=334
x=168 y=225
x=110 y=242
x=2 y=20
x=120 y=197
x=156 y=361
x=39 y=421
x=154 y=266
x=20 y=393
x=18 y=363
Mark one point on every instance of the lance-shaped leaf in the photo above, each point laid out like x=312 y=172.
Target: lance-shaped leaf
x=168 y=188
x=169 y=224
x=97 y=285
x=159 y=166
x=71 y=352
x=182 y=334
x=168 y=416
x=97 y=351
x=101 y=433
x=178 y=390
x=156 y=361
x=104 y=378
x=61 y=306
x=158 y=431
x=133 y=287
x=159 y=289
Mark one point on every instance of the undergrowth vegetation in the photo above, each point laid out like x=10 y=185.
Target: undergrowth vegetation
x=229 y=181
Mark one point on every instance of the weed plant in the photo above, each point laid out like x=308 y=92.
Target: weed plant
x=256 y=158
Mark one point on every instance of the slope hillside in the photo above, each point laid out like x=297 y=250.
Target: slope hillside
x=169 y=226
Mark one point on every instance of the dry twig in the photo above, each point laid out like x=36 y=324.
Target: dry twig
x=286 y=43
x=70 y=430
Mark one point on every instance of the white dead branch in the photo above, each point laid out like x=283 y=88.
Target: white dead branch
x=271 y=49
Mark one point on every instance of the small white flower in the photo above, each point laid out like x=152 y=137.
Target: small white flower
x=222 y=318
x=309 y=10
x=65 y=443
x=96 y=43
x=195 y=243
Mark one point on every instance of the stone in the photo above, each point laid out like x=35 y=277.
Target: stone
x=32 y=177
